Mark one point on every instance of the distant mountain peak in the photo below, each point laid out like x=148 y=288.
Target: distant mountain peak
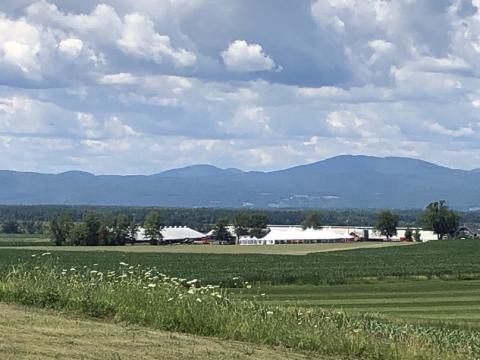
x=75 y=173
x=345 y=181
x=198 y=170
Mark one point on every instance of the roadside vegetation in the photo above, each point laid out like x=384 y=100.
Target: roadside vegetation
x=38 y=334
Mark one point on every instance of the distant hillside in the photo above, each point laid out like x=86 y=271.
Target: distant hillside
x=339 y=182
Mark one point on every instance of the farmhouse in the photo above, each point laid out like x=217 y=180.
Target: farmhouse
x=174 y=234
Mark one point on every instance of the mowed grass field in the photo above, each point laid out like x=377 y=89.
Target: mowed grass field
x=33 y=334
x=452 y=301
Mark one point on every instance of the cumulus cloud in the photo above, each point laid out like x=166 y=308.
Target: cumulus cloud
x=71 y=46
x=20 y=46
x=117 y=79
x=440 y=129
x=146 y=86
x=140 y=39
x=243 y=57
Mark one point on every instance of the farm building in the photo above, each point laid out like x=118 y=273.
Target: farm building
x=174 y=234
x=297 y=235
x=279 y=234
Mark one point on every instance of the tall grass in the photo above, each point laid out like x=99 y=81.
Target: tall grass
x=145 y=296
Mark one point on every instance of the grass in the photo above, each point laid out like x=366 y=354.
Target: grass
x=455 y=301
x=436 y=259
x=294 y=249
x=374 y=310
x=144 y=296
x=35 y=334
x=24 y=240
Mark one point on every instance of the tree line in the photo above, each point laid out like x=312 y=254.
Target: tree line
x=22 y=227
x=437 y=217
x=109 y=230
x=120 y=228
x=201 y=219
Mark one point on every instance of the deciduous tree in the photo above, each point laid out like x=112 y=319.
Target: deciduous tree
x=153 y=227
x=439 y=218
x=387 y=223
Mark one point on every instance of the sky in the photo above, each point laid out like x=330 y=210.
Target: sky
x=137 y=87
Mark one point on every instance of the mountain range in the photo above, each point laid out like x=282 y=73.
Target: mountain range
x=340 y=182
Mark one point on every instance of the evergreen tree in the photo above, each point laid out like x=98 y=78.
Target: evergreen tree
x=221 y=232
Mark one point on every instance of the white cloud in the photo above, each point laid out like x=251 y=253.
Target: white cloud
x=249 y=120
x=374 y=77
x=140 y=39
x=440 y=129
x=243 y=57
x=20 y=46
x=71 y=46
x=118 y=79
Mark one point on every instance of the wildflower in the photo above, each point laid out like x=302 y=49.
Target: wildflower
x=170 y=299
x=235 y=278
x=46 y=253
x=249 y=286
x=199 y=300
x=123 y=264
x=34 y=255
x=269 y=312
x=151 y=285
x=95 y=264
x=93 y=272
x=72 y=269
x=262 y=294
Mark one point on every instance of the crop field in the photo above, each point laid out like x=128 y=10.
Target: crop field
x=445 y=259
x=27 y=240
x=293 y=249
x=404 y=302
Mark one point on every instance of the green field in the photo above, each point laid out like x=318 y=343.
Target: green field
x=27 y=240
x=445 y=259
x=454 y=301
x=400 y=302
